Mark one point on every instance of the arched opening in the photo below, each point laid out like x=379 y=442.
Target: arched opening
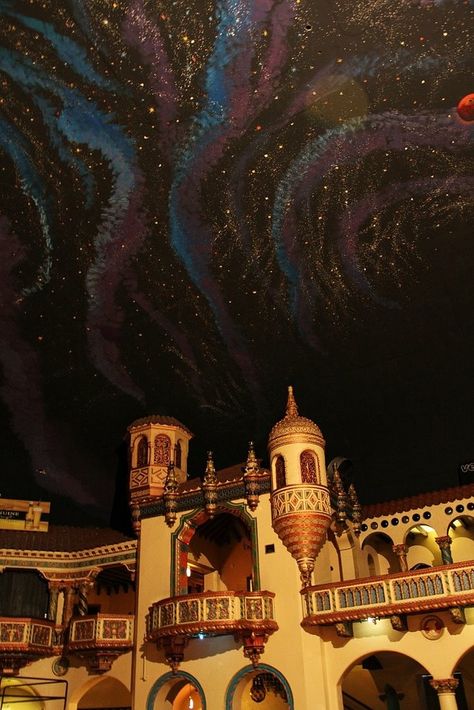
x=220 y=555
x=113 y=592
x=264 y=688
x=379 y=547
x=217 y=554
x=280 y=472
x=461 y=532
x=309 y=467
x=177 y=455
x=142 y=451
x=464 y=673
x=23 y=593
x=16 y=693
x=385 y=680
x=161 y=450
x=103 y=694
x=422 y=547
x=176 y=691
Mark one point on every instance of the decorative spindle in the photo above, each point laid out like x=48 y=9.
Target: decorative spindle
x=170 y=496
x=356 y=509
x=251 y=476
x=209 y=487
x=341 y=498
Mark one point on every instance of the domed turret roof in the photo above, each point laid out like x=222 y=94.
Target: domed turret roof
x=295 y=425
x=158 y=419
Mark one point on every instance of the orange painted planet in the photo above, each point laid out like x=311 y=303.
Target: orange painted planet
x=465 y=108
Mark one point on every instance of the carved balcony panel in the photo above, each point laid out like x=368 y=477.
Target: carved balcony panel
x=405 y=592
x=247 y=615
x=23 y=640
x=100 y=638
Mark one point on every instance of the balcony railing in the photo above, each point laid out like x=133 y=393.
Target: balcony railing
x=213 y=613
x=401 y=593
x=23 y=640
x=249 y=616
x=101 y=638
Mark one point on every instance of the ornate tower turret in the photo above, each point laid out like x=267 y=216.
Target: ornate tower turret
x=155 y=442
x=301 y=511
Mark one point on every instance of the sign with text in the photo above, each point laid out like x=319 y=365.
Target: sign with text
x=23 y=515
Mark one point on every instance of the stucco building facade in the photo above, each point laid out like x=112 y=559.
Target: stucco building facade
x=248 y=588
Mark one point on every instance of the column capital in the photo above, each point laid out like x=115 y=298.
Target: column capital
x=443 y=541
x=400 y=549
x=444 y=685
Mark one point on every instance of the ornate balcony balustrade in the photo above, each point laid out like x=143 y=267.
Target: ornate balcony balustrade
x=23 y=640
x=247 y=615
x=100 y=638
x=419 y=590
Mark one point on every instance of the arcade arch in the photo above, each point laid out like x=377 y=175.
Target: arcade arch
x=379 y=555
x=422 y=547
x=461 y=532
x=100 y=692
x=383 y=676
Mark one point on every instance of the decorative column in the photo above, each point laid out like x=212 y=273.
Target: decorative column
x=446 y=689
x=82 y=606
x=53 y=600
x=401 y=552
x=444 y=544
x=68 y=605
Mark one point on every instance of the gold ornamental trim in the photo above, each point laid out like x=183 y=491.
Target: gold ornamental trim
x=300 y=498
x=297 y=434
x=214 y=627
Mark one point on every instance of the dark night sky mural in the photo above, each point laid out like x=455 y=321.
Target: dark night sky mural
x=203 y=201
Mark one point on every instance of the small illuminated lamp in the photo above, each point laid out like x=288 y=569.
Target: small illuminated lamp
x=190 y=703
x=188 y=571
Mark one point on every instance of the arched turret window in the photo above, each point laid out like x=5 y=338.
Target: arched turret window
x=142 y=451
x=308 y=463
x=280 y=473
x=161 y=453
x=177 y=455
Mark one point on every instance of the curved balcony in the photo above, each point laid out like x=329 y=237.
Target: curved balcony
x=442 y=587
x=100 y=638
x=23 y=640
x=247 y=615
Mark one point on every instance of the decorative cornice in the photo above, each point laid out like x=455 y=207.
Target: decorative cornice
x=53 y=563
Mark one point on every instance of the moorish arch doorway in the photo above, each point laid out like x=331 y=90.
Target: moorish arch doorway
x=262 y=688
x=176 y=691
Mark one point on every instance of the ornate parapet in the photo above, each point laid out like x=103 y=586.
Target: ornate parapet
x=100 y=638
x=405 y=592
x=23 y=640
x=247 y=615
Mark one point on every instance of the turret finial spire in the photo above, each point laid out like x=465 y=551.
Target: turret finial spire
x=291 y=406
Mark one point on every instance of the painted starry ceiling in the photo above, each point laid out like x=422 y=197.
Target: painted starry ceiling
x=203 y=201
